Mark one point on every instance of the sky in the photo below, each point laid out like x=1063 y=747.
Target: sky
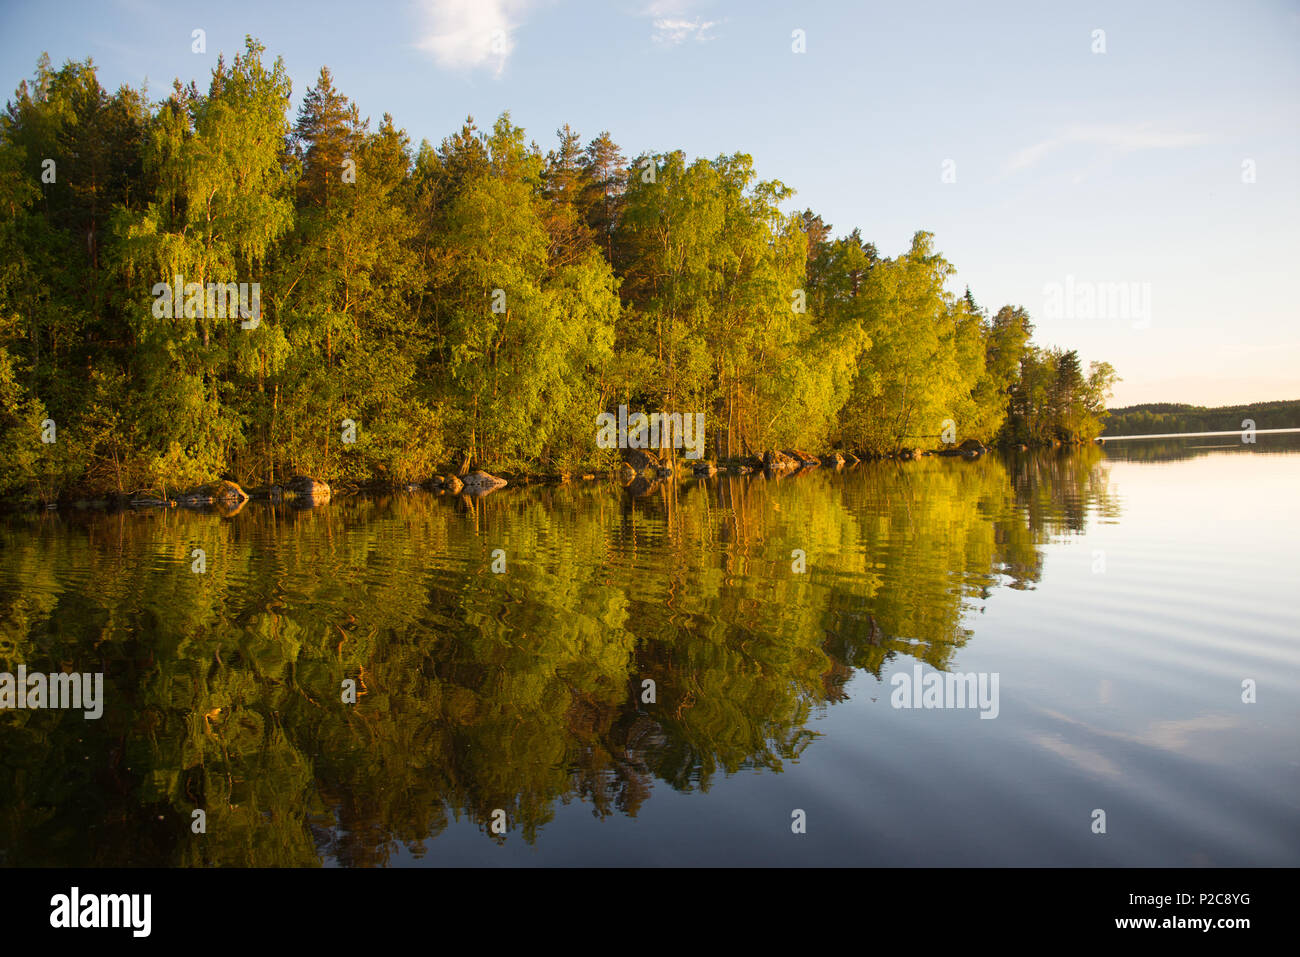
x=1127 y=172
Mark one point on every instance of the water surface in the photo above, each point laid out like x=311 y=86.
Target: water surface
x=1122 y=597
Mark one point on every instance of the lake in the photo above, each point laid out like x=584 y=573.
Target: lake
x=710 y=673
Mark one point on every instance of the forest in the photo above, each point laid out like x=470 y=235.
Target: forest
x=479 y=301
x=1162 y=418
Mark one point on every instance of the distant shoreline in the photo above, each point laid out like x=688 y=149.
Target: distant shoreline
x=1174 y=418
x=1189 y=435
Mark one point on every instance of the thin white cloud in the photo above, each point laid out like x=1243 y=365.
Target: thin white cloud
x=672 y=32
x=674 y=23
x=467 y=34
x=1116 y=139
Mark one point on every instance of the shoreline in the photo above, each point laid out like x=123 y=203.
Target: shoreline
x=229 y=496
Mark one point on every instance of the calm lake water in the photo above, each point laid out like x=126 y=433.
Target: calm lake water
x=1122 y=597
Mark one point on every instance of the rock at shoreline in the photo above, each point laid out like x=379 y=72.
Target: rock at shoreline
x=704 y=468
x=228 y=493
x=802 y=458
x=833 y=459
x=972 y=448
x=775 y=461
x=308 y=489
x=642 y=460
x=452 y=484
x=224 y=492
x=626 y=473
x=480 y=481
x=147 y=500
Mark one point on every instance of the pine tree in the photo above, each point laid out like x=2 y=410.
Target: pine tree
x=326 y=137
x=602 y=192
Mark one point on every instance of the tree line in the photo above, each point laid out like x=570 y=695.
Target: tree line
x=1161 y=418
x=477 y=300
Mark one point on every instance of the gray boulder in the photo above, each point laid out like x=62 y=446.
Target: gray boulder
x=480 y=481
x=642 y=460
x=775 y=461
x=308 y=489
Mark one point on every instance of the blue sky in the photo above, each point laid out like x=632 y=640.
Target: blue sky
x=1070 y=167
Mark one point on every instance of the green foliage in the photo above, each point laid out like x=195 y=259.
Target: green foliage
x=480 y=298
x=1052 y=401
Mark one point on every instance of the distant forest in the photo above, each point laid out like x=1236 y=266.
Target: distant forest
x=401 y=308
x=1156 y=418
